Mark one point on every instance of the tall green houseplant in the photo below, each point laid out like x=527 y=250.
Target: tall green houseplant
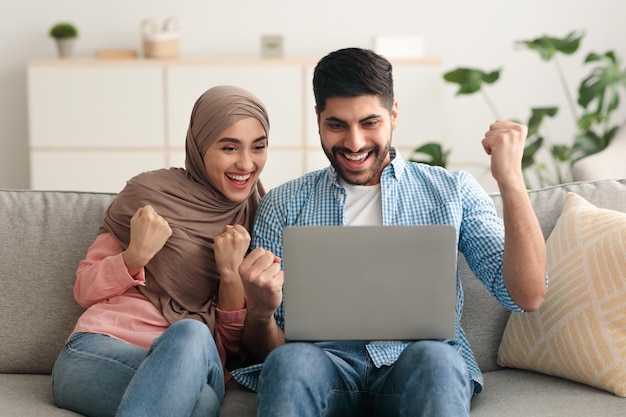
x=599 y=95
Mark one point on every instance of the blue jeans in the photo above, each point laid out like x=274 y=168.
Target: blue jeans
x=339 y=379
x=180 y=375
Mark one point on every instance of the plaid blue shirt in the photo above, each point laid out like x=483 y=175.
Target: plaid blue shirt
x=411 y=194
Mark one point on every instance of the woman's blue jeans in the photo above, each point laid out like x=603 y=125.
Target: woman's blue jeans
x=180 y=375
x=335 y=379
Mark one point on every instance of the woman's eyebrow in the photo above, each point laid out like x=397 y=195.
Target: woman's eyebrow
x=235 y=140
x=227 y=139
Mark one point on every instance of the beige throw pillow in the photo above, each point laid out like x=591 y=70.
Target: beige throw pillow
x=579 y=332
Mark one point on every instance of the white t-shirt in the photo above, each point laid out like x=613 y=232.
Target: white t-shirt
x=363 y=204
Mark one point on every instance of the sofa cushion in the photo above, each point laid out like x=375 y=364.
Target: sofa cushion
x=517 y=393
x=579 y=333
x=29 y=396
x=44 y=236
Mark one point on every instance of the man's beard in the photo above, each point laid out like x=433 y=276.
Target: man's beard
x=363 y=177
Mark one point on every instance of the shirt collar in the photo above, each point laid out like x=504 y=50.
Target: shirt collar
x=396 y=166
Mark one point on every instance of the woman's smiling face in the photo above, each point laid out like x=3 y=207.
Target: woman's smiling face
x=235 y=160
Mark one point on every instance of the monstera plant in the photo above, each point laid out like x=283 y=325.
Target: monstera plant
x=598 y=98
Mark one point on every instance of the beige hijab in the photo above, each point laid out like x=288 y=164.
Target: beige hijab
x=182 y=279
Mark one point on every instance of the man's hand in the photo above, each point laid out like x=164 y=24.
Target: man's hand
x=263 y=281
x=524 y=261
x=148 y=234
x=505 y=142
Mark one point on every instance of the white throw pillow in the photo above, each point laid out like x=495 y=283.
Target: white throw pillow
x=579 y=332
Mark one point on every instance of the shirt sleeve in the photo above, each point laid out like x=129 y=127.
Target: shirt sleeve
x=103 y=273
x=229 y=326
x=482 y=240
x=267 y=232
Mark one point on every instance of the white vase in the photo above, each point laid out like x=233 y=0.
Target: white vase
x=65 y=47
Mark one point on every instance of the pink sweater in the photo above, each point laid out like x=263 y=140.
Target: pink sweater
x=115 y=307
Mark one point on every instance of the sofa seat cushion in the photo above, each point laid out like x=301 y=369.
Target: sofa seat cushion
x=508 y=392
x=520 y=393
x=517 y=393
x=238 y=401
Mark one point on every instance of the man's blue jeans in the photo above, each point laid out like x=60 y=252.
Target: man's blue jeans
x=338 y=379
x=180 y=375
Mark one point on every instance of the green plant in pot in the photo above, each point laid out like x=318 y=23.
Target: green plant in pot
x=65 y=34
x=545 y=162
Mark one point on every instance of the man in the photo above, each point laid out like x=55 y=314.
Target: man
x=369 y=183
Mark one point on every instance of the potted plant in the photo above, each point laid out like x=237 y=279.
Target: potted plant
x=65 y=34
x=598 y=99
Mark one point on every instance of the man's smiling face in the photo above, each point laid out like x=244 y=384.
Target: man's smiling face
x=356 y=135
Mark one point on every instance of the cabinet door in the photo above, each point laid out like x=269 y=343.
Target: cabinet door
x=94 y=127
x=86 y=106
x=99 y=170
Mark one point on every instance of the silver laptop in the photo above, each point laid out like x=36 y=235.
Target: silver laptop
x=369 y=282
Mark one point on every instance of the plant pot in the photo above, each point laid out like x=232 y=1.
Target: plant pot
x=65 y=47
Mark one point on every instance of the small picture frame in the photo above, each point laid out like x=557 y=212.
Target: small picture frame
x=271 y=46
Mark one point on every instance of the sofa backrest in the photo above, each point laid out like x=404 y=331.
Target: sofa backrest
x=484 y=319
x=43 y=236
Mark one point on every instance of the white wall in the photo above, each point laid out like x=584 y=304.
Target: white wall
x=479 y=33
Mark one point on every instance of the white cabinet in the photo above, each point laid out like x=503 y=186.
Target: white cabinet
x=93 y=127
x=96 y=123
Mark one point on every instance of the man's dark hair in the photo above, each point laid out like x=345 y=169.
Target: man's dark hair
x=353 y=72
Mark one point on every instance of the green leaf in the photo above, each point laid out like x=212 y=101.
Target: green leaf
x=528 y=157
x=537 y=116
x=593 y=57
x=471 y=80
x=603 y=84
x=587 y=120
x=437 y=156
x=609 y=135
x=548 y=46
x=589 y=142
x=560 y=152
x=585 y=144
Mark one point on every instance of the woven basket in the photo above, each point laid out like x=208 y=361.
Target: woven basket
x=162 y=44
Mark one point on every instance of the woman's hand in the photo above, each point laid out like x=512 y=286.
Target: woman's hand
x=148 y=234
x=229 y=248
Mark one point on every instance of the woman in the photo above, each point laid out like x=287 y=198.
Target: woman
x=164 y=301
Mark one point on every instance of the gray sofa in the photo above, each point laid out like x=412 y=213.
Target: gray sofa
x=43 y=236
